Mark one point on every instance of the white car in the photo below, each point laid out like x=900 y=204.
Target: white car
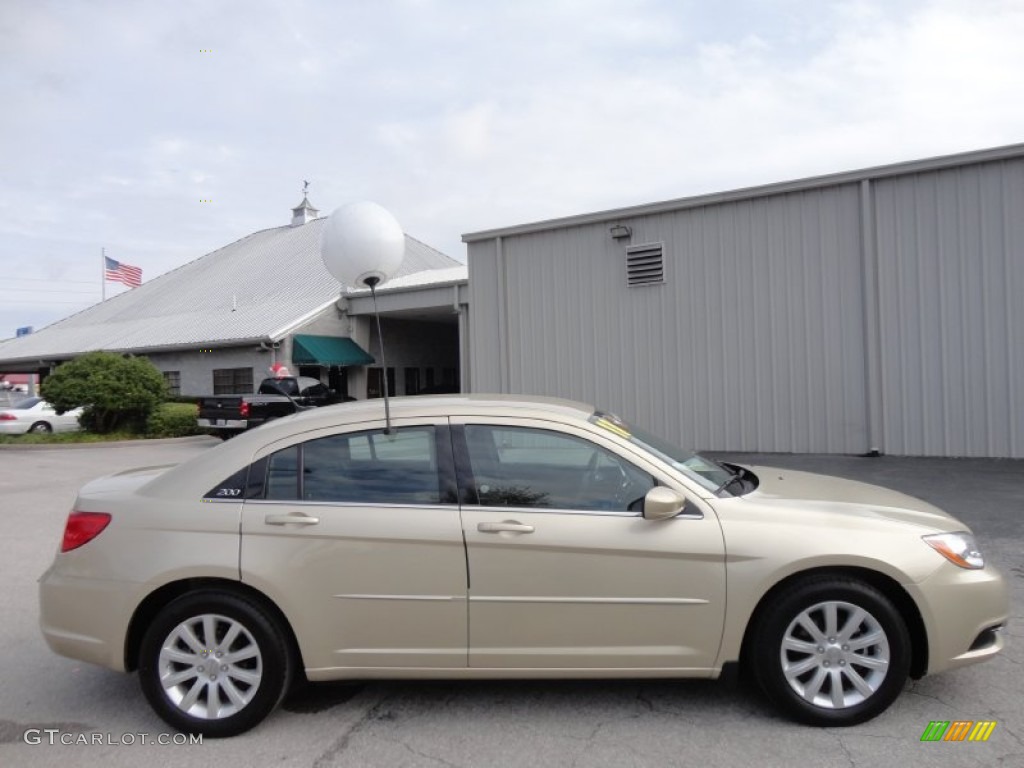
x=33 y=414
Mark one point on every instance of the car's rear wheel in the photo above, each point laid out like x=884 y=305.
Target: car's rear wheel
x=40 y=428
x=214 y=663
x=831 y=651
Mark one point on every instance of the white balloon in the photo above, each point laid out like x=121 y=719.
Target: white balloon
x=362 y=242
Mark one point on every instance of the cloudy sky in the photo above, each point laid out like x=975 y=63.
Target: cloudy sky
x=120 y=120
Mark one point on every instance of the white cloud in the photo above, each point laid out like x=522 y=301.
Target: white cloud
x=463 y=115
x=470 y=132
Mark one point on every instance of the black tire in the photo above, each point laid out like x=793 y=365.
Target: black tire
x=830 y=682
x=40 y=428
x=249 y=675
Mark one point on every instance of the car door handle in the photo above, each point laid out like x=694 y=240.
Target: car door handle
x=299 y=519
x=510 y=526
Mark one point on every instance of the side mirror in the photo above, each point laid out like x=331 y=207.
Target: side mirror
x=661 y=503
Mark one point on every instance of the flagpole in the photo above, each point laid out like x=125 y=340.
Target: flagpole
x=103 y=274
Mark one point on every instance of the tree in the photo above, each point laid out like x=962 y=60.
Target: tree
x=117 y=392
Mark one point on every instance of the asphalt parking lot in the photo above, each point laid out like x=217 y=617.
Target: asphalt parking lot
x=44 y=697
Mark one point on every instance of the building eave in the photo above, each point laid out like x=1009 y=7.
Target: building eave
x=35 y=362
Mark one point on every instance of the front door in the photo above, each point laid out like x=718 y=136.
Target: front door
x=564 y=570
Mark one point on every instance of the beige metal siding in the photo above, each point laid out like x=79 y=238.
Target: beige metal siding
x=951 y=287
x=754 y=341
x=881 y=309
x=485 y=285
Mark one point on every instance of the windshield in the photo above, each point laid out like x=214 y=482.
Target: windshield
x=24 y=405
x=707 y=472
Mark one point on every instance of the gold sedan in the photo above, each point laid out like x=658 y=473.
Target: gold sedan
x=498 y=537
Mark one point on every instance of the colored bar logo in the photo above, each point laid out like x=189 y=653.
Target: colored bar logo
x=958 y=730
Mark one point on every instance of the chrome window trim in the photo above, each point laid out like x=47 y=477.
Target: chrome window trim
x=352 y=504
x=558 y=511
x=552 y=511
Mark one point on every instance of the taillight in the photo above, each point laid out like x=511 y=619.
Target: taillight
x=243 y=410
x=8 y=417
x=83 y=527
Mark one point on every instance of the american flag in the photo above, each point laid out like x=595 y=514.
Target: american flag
x=119 y=272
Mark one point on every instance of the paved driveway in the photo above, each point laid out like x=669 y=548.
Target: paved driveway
x=535 y=724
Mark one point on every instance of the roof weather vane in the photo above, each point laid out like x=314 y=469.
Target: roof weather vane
x=305 y=187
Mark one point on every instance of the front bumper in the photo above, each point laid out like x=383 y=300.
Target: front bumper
x=961 y=608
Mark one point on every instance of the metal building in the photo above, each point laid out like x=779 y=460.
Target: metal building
x=873 y=310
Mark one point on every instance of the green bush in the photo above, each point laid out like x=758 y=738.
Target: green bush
x=117 y=392
x=173 y=420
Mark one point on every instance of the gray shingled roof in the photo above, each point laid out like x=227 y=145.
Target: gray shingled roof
x=259 y=287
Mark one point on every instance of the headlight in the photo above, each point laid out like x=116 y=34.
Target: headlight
x=959 y=548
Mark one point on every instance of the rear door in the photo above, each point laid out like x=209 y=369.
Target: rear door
x=564 y=570
x=356 y=535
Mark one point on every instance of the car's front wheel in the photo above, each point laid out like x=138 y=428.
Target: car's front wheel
x=214 y=663
x=831 y=651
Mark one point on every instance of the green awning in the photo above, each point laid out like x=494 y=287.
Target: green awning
x=327 y=350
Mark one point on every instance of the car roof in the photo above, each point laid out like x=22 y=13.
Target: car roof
x=440 y=405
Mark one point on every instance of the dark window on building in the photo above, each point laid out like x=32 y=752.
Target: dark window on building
x=233 y=381
x=429 y=377
x=375 y=385
x=523 y=467
x=450 y=377
x=337 y=379
x=173 y=379
x=412 y=381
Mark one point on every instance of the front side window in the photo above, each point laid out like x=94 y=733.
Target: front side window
x=526 y=467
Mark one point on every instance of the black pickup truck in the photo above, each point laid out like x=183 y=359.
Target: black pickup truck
x=276 y=397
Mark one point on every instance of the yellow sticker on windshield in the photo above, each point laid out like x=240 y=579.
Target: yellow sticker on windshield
x=613 y=428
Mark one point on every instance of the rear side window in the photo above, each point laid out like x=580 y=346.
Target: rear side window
x=368 y=467
x=283 y=474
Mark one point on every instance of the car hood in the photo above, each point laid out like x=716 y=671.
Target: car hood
x=122 y=482
x=805 y=491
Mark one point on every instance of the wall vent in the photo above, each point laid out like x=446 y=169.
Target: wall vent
x=645 y=264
